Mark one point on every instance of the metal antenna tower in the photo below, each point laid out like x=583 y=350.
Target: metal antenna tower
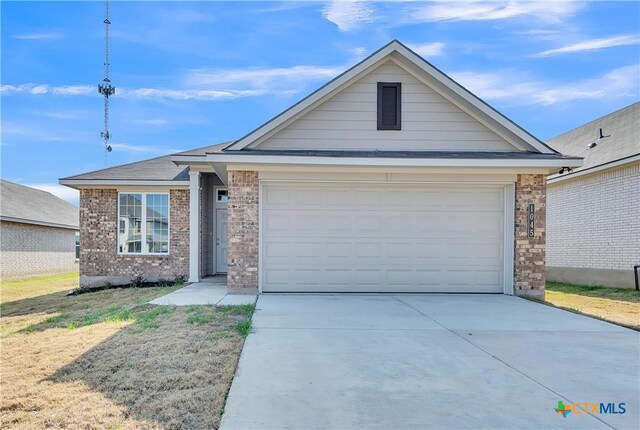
x=106 y=88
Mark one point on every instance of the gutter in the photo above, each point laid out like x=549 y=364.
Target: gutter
x=376 y=162
x=594 y=169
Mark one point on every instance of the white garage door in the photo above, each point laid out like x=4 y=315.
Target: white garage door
x=351 y=237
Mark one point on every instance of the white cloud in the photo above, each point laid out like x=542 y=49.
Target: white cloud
x=260 y=78
x=39 y=89
x=511 y=87
x=65 y=193
x=187 y=94
x=349 y=15
x=546 y=11
x=211 y=84
x=593 y=44
x=37 y=36
x=134 y=93
x=359 y=53
x=427 y=49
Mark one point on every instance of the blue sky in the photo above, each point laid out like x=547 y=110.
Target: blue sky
x=194 y=74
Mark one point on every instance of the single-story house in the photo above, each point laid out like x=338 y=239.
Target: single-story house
x=594 y=210
x=390 y=178
x=38 y=232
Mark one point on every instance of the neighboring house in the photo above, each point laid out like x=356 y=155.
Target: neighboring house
x=594 y=211
x=390 y=178
x=38 y=232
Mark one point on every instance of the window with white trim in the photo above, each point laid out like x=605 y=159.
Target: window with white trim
x=143 y=223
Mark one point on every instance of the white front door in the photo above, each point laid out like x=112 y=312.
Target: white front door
x=221 y=240
x=354 y=237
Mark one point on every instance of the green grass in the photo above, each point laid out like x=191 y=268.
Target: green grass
x=19 y=289
x=616 y=305
x=622 y=294
x=246 y=310
x=201 y=318
x=243 y=327
x=56 y=319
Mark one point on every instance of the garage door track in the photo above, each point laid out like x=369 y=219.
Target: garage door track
x=429 y=361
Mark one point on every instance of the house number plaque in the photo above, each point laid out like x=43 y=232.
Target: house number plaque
x=531 y=216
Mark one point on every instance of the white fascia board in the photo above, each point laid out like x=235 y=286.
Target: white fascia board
x=590 y=170
x=102 y=183
x=390 y=162
x=35 y=222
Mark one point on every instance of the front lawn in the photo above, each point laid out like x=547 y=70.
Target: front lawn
x=31 y=287
x=617 y=305
x=108 y=360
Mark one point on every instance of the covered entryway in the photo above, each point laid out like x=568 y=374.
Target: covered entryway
x=382 y=237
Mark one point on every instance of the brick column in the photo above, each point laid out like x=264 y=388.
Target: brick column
x=529 y=273
x=243 y=223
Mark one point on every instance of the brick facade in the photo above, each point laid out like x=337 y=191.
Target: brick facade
x=243 y=224
x=28 y=250
x=529 y=264
x=99 y=261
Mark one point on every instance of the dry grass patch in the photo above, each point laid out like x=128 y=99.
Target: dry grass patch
x=108 y=360
x=617 y=305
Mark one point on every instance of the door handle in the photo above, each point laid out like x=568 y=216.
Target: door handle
x=217 y=241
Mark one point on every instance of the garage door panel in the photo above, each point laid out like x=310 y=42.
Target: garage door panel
x=362 y=237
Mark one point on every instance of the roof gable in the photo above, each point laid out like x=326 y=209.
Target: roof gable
x=348 y=121
x=441 y=85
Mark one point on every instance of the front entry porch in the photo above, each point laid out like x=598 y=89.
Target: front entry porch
x=207 y=226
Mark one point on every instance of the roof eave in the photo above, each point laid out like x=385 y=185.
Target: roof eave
x=554 y=163
x=594 y=169
x=101 y=183
x=38 y=222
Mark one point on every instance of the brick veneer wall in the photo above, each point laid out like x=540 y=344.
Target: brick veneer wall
x=99 y=260
x=28 y=250
x=593 y=221
x=529 y=269
x=242 y=212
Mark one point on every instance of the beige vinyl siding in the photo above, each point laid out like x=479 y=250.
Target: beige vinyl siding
x=348 y=121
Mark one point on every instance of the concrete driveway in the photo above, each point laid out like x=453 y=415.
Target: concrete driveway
x=428 y=361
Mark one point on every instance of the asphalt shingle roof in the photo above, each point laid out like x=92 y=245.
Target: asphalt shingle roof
x=622 y=129
x=154 y=169
x=25 y=204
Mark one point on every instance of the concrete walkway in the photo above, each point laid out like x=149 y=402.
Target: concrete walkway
x=429 y=361
x=210 y=291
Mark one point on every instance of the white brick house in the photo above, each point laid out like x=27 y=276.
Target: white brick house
x=593 y=212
